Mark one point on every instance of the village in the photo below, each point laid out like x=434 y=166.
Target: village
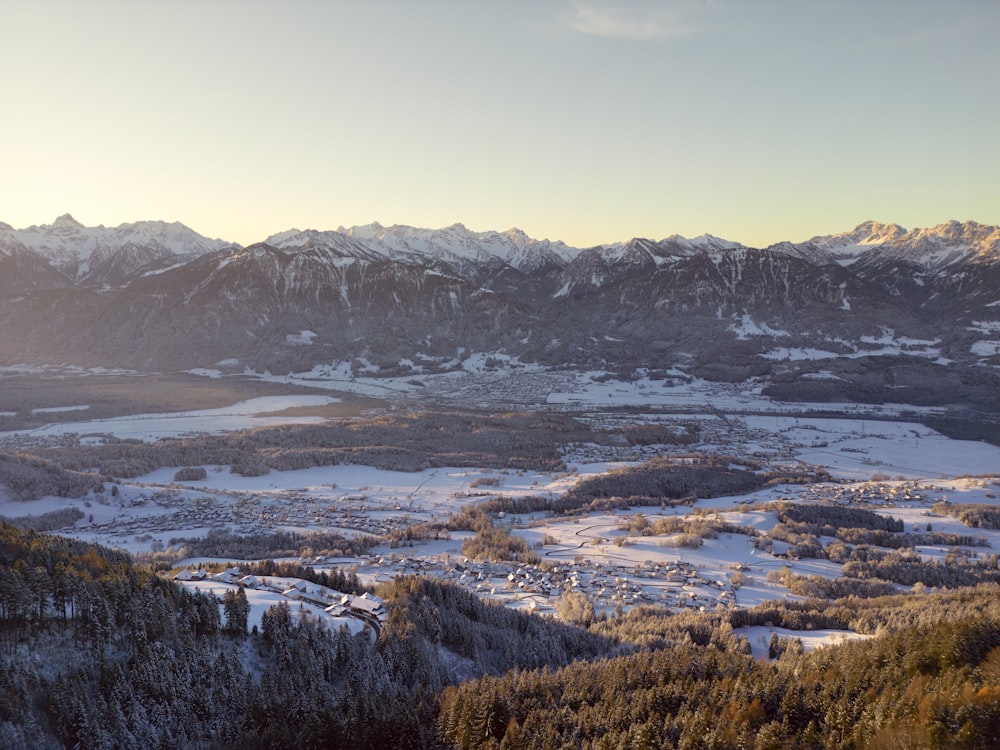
x=858 y=460
x=174 y=510
x=610 y=586
x=594 y=556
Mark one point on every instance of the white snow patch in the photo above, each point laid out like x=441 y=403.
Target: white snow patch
x=149 y=427
x=261 y=600
x=798 y=353
x=858 y=448
x=59 y=409
x=759 y=637
x=747 y=328
x=302 y=338
x=985 y=348
x=820 y=375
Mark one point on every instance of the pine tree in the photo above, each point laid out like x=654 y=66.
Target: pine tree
x=237 y=610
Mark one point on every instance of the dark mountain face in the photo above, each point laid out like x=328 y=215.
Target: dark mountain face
x=316 y=297
x=23 y=270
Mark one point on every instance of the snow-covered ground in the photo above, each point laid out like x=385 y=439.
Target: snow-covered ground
x=759 y=636
x=903 y=468
x=613 y=567
x=255 y=412
x=497 y=380
x=261 y=600
x=858 y=448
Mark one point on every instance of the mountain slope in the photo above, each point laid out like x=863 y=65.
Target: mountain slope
x=156 y=295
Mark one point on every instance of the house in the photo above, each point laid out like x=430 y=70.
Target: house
x=228 y=576
x=367 y=604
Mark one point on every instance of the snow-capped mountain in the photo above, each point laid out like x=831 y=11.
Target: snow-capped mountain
x=108 y=254
x=931 y=249
x=157 y=295
x=455 y=245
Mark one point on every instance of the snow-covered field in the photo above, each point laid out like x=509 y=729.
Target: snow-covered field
x=500 y=381
x=858 y=448
x=759 y=637
x=255 y=412
x=902 y=467
x=262 y=599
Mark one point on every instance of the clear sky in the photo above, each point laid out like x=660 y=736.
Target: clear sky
x=588 y=121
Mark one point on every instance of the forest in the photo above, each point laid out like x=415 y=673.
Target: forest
x=101 y=651
x=400 y=442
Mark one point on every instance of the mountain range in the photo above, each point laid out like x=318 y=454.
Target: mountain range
x=159 y=296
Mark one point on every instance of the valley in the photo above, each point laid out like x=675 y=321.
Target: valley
x=436 y=470
x=877 y=458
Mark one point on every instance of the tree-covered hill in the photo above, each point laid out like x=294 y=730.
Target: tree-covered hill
x=99 y=652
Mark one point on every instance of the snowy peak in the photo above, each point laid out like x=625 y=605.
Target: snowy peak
x=339 y=245
x=954 y=240
x=509 y=261
x=866 y=233
x=936 y=248
x=931 y=249
x=701 y=242
x=846 y=247
x=400 y=292
x=76 y=249
x=66 y=221
x=456 y=245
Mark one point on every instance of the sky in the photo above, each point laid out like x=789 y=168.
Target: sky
x=587 y=121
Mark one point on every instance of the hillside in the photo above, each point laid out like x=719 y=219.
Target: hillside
x=98 y=652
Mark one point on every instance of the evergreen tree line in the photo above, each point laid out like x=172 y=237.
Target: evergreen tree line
x=28 y=477
x=662 y=478
x=54 y=519
x=398 y=442
x=99 y=652
x=224 y=543
x=929 y=685
x=976 y=516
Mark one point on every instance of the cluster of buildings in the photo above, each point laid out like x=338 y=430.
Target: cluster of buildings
x=250 y=513
x=607 y=585
x=366 y=606
x=872 y=493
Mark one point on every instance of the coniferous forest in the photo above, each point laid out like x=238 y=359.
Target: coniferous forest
x=101 y=652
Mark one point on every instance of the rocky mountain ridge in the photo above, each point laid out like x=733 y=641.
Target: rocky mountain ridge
x=100 y=255
x=158 y=296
